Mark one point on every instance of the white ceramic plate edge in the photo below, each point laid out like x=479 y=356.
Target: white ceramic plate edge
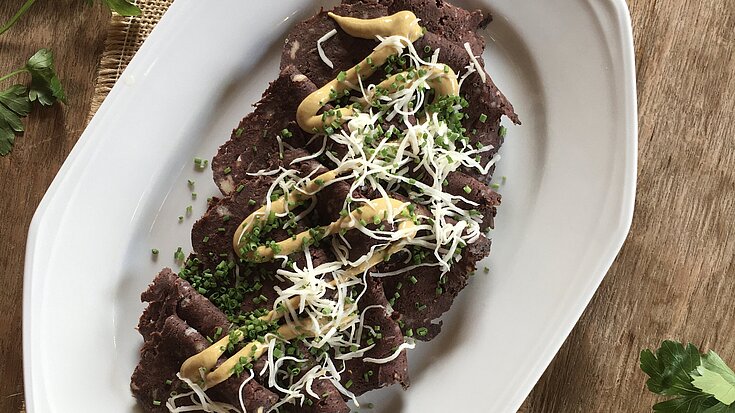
x=625 y=27
x=34 y=262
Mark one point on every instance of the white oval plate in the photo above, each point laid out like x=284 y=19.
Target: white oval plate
x=566 y=65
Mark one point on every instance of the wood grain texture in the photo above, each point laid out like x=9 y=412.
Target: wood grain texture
x=674 y=278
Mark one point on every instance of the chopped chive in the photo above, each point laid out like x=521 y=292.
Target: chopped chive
x=483 y=118
x=467 y=189
x=413 y=280
x=422 y=331
x=239 y=132
x=193 y=195
x=240 y=188
x=502 y=131
x=154 y=251
x=227 y=170
x=156 y=402
x=168 y=382
x=342 y=76
x=179 y=254
x=251 y=202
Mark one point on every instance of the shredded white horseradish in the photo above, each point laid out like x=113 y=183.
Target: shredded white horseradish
x=424 y=146
x=474 y=61
x=319 y=42
x=199 y=400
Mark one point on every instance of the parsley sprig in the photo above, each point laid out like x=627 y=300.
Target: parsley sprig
x=45 y=86
x=121 y=7
x=700 y=383
x=15 y=101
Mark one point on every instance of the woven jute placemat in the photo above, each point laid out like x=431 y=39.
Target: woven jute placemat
x=125 y=35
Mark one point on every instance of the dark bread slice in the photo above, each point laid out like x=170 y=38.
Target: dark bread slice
x=253 y=144
x=366 y=376
x=219 y=223
x=419 y=303
x=171 y=335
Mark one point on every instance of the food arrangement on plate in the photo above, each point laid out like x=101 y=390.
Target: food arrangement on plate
x=356 y=202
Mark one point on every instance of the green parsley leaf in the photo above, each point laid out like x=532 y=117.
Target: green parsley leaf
x=669 y=368
x=45 y=84
x=696 y=403
x=14 y=104
x=721 y=408
x=701 y=383
x=715 y=378
x=123 y=7
x=15 y=101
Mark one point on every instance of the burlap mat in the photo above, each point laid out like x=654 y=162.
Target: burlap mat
x=124 y=37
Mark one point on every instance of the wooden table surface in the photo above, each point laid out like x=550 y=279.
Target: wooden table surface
x=674 y=278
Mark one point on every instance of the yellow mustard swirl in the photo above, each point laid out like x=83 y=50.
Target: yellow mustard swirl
x=404 y=24
x=368 y=212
